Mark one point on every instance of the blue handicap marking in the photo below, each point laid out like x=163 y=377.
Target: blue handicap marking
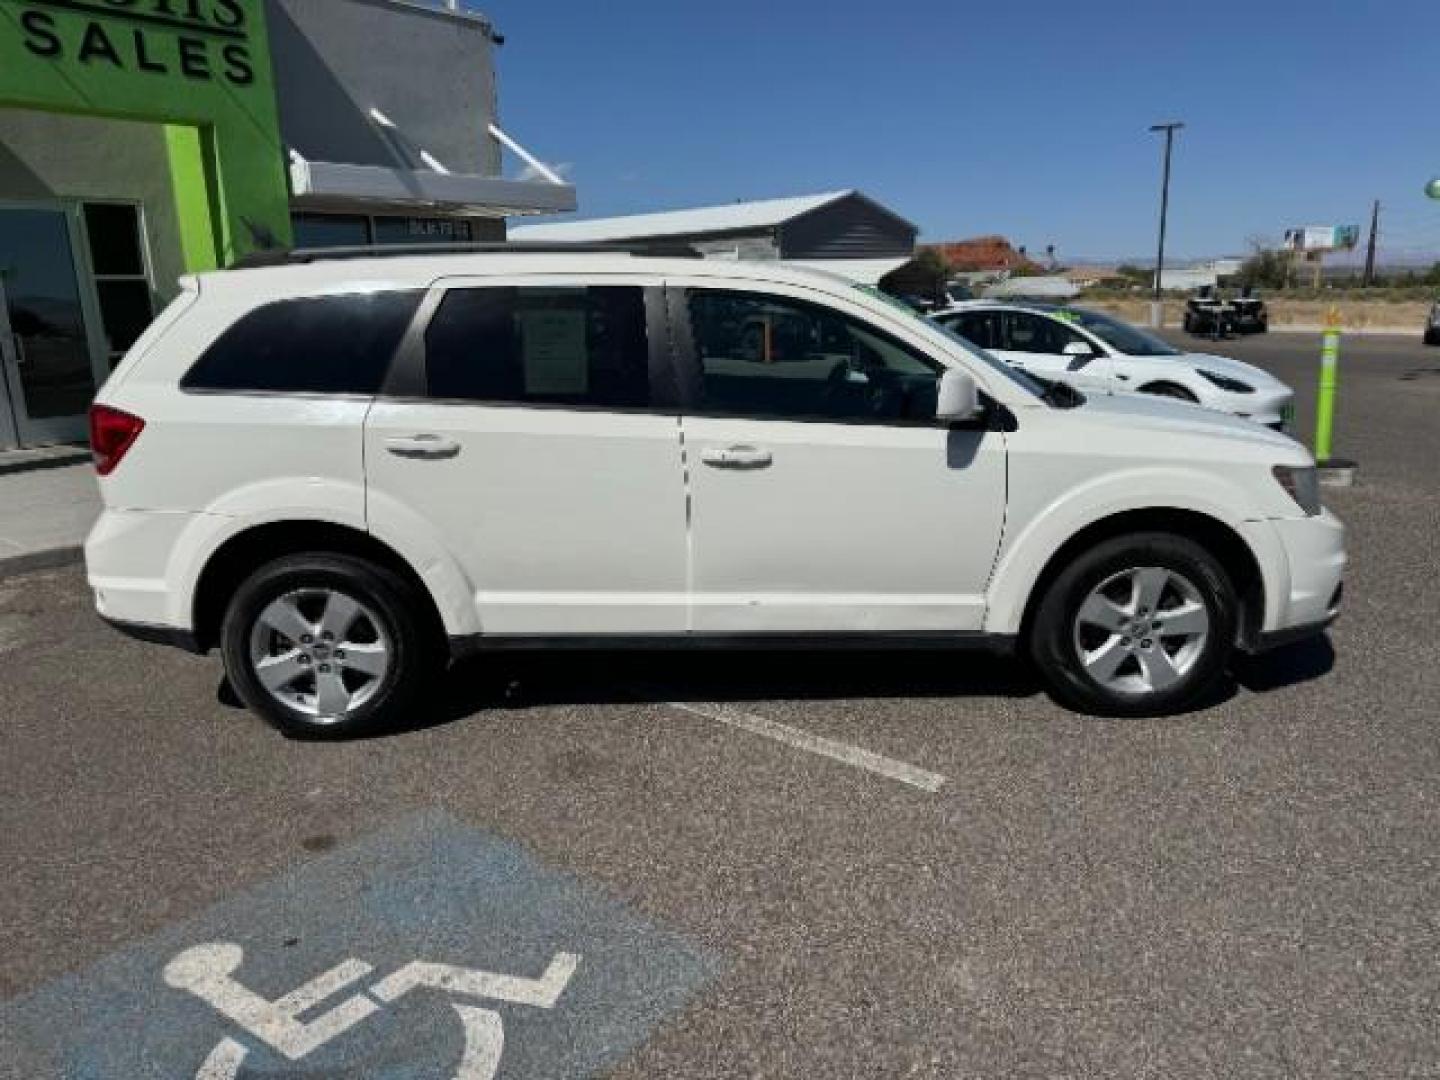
x=427 y=950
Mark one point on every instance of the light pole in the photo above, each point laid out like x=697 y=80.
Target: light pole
x=1156 y=305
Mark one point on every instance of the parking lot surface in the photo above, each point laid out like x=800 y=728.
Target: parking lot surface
x=783 y=865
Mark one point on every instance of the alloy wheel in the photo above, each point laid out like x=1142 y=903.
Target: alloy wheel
x=320 y=652
x=1141 y=631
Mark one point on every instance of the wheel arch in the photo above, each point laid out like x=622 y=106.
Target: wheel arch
x=1224 y=542
x=1155 y=386
x=244 y=552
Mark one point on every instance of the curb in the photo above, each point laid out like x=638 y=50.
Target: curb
x=45 y=559
x=1350 y=331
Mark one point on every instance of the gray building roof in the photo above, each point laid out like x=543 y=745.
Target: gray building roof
x=730 y=217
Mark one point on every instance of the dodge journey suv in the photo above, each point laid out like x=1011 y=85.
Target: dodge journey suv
x=343 y=470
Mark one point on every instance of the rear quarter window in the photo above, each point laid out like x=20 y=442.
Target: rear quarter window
x=338 y=344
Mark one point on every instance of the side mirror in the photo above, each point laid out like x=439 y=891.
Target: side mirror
x=1080 y=353
x=959 y=397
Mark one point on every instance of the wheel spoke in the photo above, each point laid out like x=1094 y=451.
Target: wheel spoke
x=1158 y=669
x=278 y=672
x=1149 y=586
x=1185 y=621
x=332 y=699
x=1100 y=610
x=368 y=659
x=1103 y=662
x=284 y=617
x=340 y=614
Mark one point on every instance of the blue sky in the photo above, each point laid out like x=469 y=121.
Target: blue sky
x=1023 y=118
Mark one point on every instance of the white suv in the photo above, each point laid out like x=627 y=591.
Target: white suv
x=343 y=472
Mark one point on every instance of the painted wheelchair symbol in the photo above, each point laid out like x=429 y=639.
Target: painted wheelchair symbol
x=208 y=972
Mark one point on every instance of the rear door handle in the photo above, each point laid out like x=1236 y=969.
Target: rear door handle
x=424 y=447
x=737 y=457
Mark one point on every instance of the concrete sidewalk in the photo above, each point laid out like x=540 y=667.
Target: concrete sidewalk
x=45 y=513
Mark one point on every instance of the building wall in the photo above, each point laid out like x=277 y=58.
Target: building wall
x=45 y=156
x=430 y=72
x=852 y=228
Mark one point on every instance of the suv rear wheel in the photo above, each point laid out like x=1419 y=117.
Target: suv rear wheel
x=1141 y=625
x=325 y=645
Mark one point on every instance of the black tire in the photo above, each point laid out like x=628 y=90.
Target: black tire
x=1432 y=337
x=1054 y=640
x=1170 y=390
x=392 y=610
x=1189 y=323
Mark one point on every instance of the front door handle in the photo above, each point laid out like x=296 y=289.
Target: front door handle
x=424 y=447
x=737 y=457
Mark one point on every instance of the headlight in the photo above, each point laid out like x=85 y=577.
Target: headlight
x=1303 y=484
x=1224 y=382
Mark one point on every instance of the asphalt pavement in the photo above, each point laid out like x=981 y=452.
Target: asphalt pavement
x=738 y=865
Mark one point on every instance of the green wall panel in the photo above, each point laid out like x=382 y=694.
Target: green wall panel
x=201 y=67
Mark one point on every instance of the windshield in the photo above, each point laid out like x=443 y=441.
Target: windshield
x=1019 y=378
x=1120 y=336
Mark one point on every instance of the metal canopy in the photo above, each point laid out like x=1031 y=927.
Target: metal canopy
x=328 y=185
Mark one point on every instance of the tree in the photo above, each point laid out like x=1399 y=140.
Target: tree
x=925 y=275
x=1265 y=268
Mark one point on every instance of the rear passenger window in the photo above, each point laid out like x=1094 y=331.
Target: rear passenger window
x=582 y=346
x=338 y=344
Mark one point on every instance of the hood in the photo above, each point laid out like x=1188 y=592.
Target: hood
x=1166 y=416
x=1235 y=369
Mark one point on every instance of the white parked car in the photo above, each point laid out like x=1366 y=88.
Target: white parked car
x=1095 y=352
x=344 y=472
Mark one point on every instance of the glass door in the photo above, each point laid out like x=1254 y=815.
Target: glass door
x=50 y=348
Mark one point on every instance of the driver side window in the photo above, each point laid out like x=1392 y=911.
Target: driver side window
x=1027 y=332
x=768 y=356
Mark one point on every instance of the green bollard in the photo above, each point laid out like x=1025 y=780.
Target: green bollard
x=1329 y=378
x=1333 y=471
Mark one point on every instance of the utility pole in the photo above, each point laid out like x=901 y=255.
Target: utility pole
x=1156 y=305
x=1370 y=249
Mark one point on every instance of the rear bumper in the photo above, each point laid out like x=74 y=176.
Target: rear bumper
x=127 y=562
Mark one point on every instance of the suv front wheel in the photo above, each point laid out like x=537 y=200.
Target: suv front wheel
x=324 y=645
x=1139 y=625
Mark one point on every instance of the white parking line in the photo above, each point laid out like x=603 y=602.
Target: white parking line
x=803 y=740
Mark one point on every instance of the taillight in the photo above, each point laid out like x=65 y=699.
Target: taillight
x=112 y=433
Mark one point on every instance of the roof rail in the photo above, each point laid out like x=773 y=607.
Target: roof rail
x=303 y=256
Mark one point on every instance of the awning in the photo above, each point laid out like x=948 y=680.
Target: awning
x=337 y=187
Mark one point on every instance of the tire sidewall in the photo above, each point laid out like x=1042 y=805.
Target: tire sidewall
x=384 y=593
x=1052 y=640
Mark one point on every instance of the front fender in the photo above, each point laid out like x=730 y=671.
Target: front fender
x=1035 y=533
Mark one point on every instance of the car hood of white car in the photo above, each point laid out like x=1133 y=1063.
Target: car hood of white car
x=1235 y=369
x=1149 y=413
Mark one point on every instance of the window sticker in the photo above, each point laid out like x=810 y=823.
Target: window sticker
x=554 y=353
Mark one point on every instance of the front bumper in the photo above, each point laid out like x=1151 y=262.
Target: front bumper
x=1305 y=578
x=1274 y=408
